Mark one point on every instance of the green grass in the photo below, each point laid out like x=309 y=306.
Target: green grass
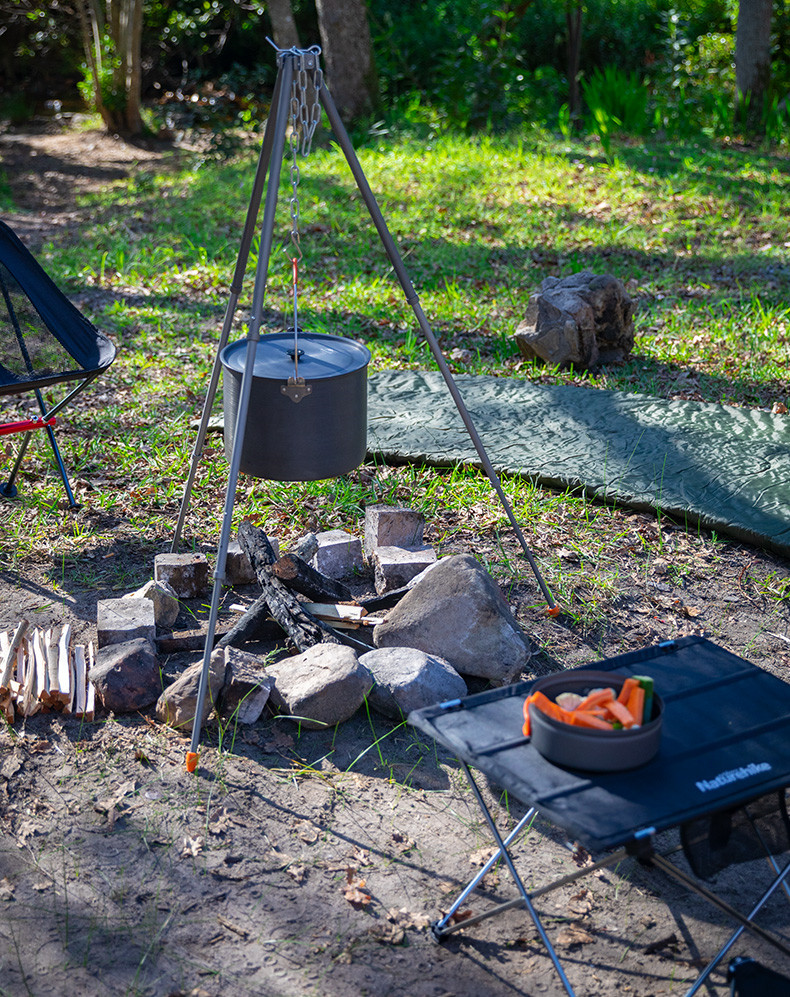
x=698 y=232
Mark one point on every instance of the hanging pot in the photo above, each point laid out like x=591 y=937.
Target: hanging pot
x=307 y=417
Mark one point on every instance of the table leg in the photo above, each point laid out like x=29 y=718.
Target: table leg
x=439 y=930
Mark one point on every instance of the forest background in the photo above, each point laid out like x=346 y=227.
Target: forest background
x=667 y=67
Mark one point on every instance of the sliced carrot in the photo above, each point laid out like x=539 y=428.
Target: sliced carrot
x=628 y=687
x=636 y=704
x=582 y=718
x=621 y=713
x=596 y=698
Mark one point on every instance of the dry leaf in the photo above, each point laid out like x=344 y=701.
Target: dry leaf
x=573 y=934
x=581 y=856
x=403 y=841
x=297 y=872
x=482 y=856
x=27 y=829
x=278 y=741
x=362 y=856
x=192 y=847
x=406 y=919
x=6 y=889
x=308 y=832
x=220 y=822
x=461 y=915
x=112 y=802
x=387 y=934
x=355 y=892
x=581 y=903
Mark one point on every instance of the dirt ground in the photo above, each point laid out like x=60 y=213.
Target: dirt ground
x=300 y=863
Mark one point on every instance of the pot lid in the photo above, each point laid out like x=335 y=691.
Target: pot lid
x=320 y=355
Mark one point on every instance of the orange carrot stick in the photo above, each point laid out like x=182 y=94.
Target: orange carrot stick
x=636 y=705
x=596 y=698
x=621 y=713
x=628 y=687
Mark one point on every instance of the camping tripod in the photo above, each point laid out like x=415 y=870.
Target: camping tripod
x=291 y=62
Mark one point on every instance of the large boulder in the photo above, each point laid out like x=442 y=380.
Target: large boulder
x=457 y=612
x=407 y=679
x=320 y=687
x=585 y=319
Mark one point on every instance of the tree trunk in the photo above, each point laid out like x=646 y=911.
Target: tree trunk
x=348 y=58
x=573 y=19
x=111 y=34
x=753 y=59
x=283 y=25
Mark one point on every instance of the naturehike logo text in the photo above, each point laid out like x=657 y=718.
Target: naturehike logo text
x=733 y=775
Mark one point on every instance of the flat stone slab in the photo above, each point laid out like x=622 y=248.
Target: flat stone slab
x=395 y=567
x=247 y=687
x=164 y=600
x=339 y=554
x=125 y=619
x=392 y=526
x=187 y=574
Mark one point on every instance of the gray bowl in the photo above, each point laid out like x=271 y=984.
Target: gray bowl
x=586 y=749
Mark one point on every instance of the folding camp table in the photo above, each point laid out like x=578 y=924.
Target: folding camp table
x=725 y=736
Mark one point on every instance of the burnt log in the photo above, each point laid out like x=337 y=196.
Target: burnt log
x=301 y=626
x=299 y=576
x=255 y=624
x=303 y=629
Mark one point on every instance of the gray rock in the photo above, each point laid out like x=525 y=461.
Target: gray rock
x=457 y=612
x=187 y=574
x=177 y=706
x=126 y=676
x=395 y=567
x=238 y=570
x=585 y=319
x=246 y=689
x=339 y=554
x=165 y=602
x=391 y=526
x=407 y=679
x=124 y=619
x=320 y=687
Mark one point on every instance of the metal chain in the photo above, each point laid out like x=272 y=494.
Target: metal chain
x=304 y=120
x=305 y=116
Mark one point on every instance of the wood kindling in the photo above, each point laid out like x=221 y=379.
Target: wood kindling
x=42 y=672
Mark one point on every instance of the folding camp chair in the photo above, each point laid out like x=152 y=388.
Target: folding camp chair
x=723 y=751
x=44 y=340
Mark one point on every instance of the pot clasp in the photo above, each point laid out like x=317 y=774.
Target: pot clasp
x=296 y=389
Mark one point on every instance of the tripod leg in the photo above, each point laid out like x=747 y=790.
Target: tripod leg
x=411 y=297
x=267 y=232
x=235 y=290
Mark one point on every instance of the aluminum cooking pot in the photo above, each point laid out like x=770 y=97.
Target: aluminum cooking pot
x=308 y=416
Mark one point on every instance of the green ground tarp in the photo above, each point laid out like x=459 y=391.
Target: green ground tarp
x=726 y=469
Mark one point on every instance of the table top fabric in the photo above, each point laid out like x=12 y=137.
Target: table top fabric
x=725 y=740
